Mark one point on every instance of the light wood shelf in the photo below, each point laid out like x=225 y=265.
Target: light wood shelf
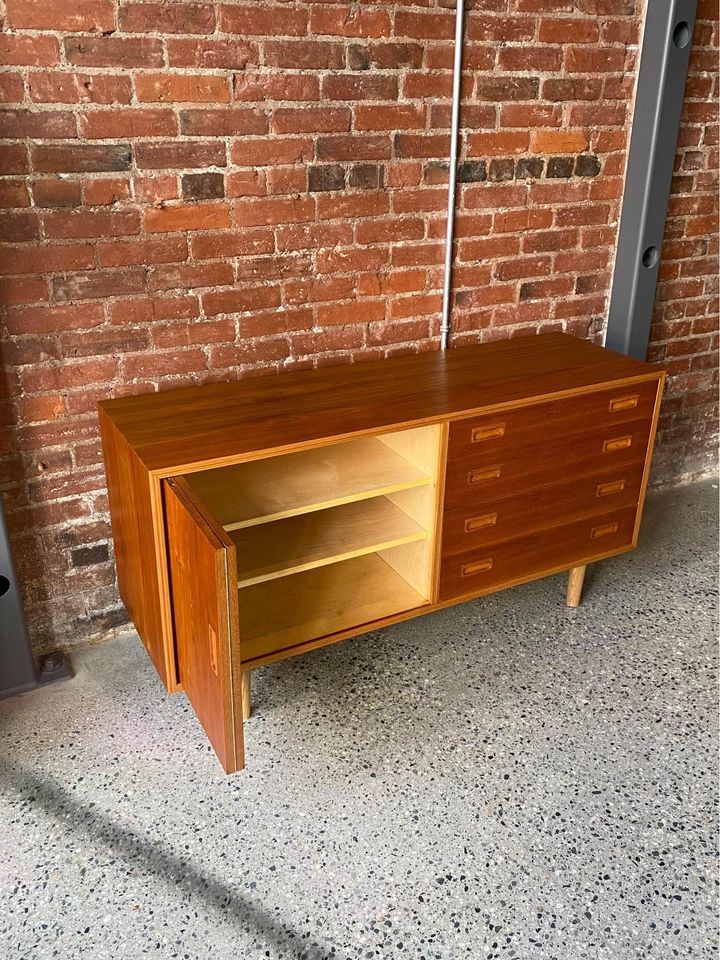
x=279 y=614
x=284 y=486
x=268 y=551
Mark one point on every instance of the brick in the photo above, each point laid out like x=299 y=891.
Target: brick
x=179 y=276
x=359 y=87
x=36 y=51
x=353 y=205
x=558 y=141
x=311 y=120
x=425 y=26
x=512 y=29
x=54 y=319
x=18 y=124
x=255 y=87
x=270 y=151
x=506 y=88
x=12 y=89
x=106 y=192
x=564 y=90
x=225 y=54
x=100 y=284
x=124 y=253
x=501 y=169
x=82 y=15
x=231 y=121
x=389 y=117
x=385 y=56
x=471 y=171
x=19 y=225
x=240 y=301
x=203 y=186
x=587 y=166
x=14 y=193
x=527 y=59
x=359 y=311
x=263 y=21
x=304 y=55
x=113 y=51
x=528 y=168
x=366 y=176
x=111 y=124
x=194 y=216
x=493 y=144
x=420 y=145
x=176 y=88
x=326 y=177
x=68 y=224
x=352 y=147
x=180 y=154
x=560 y=167
x=80 y=158
x=59 y=87
x=261 y=212
x=174 y=18
x=348 y=22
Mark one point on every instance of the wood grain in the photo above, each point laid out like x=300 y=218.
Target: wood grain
x=205 y=628
x=283 y=613
x=285 y=486
x=182 y=430
x=273 y=550
x=532 y=555
x=136 y=556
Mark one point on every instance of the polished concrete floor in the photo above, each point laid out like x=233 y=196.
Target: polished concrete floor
x=508 y=778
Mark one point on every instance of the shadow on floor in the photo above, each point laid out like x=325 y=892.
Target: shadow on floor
x=85 y=820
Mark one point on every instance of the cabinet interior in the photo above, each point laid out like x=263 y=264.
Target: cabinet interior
x=330 y=538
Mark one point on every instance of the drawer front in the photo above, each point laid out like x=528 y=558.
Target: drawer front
x=494 y=566
x=467 y=528
x=544 y=461
x=495 y=434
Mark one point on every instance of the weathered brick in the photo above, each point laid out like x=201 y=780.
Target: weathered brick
x=81 y=15
x=81 y=158
x=326 y=177
x=114 y=51
x=203 y=186
x=179 y=18
x=211 y=216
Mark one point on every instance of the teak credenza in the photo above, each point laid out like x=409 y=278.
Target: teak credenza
x=258 y=519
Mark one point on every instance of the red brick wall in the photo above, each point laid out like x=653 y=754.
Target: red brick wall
x=198 y=191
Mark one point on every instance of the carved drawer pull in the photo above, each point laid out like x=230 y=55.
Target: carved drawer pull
x=604 y=531
x=485 y=473
x=624 y=403
x=488 y=433
x=613 y=486
x=477 y=566
x=619 y=443
x=477 y=523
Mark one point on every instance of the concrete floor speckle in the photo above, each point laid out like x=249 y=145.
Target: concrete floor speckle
x=505 y=779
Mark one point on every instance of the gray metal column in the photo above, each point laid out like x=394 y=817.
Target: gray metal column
x=18 y=671
x=656 y=121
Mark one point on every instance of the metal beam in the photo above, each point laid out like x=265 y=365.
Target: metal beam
x=662 y=73
x=18 y=671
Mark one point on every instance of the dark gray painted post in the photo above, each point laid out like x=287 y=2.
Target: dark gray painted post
x=656 y=121
x=18 y=671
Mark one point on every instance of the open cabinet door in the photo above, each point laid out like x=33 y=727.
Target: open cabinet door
x=203 y=582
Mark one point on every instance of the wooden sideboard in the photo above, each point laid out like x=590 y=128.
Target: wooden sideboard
x=258 y=519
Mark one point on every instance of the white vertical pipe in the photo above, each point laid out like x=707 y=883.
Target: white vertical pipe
x=452 y=179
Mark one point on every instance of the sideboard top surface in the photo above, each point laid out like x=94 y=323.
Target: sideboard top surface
x=177 y=430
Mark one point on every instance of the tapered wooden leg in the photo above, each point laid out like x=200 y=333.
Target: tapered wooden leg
x=576 y=578
x=245 y=694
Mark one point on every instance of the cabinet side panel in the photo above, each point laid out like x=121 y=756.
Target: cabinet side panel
x=131 y=517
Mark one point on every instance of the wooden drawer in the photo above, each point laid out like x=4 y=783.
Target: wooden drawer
x=497 y=435
x=536 y=555
x=544 y=461
x=467 y=529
